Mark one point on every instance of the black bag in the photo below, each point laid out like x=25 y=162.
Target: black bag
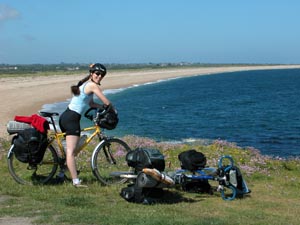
x=30 y=146
x=133 y=193
x=109 y=120
x=141 y=158
x=192 y=160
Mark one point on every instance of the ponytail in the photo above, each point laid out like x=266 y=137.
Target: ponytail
x=75 y=88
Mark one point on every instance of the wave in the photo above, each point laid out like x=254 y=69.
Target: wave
x=118 y=90
x=192 y=141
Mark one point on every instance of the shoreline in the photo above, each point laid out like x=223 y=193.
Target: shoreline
x=26 y=95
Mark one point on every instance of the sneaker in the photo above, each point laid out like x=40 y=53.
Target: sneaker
x=80 y=185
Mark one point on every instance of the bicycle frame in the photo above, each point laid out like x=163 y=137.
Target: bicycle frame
x=59 y=136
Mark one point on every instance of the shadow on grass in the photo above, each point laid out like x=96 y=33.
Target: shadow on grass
x=173 y=197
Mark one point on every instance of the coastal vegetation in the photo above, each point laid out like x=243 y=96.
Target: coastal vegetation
x=274 y=199
x=7 y=70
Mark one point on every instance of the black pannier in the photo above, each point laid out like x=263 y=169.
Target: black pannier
x=135 y=194
x=29 y=145
x=109 y=120
x=139 y=192
x=192 y=160
x=141 y=158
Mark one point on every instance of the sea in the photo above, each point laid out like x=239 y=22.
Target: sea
x=258 y=109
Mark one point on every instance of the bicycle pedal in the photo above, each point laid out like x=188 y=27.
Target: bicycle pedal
x=59 y=180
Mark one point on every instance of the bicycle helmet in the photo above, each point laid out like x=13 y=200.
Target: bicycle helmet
x=98 y=67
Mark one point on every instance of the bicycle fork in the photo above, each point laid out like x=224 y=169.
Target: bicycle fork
x=108 y=154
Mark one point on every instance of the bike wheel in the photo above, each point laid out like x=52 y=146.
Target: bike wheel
x=109 y=158
x=41 y=173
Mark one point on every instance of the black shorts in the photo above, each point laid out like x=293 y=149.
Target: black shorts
x=69 y=122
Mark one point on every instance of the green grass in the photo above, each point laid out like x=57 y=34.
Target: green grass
x=275 y=185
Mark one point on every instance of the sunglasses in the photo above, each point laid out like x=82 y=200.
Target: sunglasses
x=99 y=74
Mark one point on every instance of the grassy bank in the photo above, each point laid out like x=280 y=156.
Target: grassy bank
x=274 y=199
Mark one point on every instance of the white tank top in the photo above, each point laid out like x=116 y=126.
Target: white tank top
x=78 y=103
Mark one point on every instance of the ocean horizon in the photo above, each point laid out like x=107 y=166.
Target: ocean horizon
x=258 y=109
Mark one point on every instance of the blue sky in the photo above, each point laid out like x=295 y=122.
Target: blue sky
x=141 y=31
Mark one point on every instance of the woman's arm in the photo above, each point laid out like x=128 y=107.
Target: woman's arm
x=94 y=88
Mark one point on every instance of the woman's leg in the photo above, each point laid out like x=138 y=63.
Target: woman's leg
x=70 y=123
x=71 y=141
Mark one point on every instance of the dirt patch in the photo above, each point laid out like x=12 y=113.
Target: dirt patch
x=3 y=198
x=13 y=220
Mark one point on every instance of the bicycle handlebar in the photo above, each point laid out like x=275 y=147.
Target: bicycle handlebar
x=99 y=112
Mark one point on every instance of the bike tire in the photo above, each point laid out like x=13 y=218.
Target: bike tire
x=41 y=173
x=104 y=166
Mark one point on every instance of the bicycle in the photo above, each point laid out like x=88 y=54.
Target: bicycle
x=108 y=154
x=230 y=181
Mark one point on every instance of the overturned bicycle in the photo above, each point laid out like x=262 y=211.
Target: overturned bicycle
x=149 y=178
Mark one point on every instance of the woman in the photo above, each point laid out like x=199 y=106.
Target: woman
x=69 y=121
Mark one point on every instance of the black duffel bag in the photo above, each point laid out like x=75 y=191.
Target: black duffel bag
x=29 y=145
x=192 y=160
x=141 y=158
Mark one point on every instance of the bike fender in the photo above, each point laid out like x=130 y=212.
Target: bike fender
x=10 y=151
x=233 y=193
x=94 y=152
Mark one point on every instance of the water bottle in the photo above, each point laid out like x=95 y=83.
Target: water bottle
x=61 y=174
x=80 y=143
x=233 y=178
x=64 y=145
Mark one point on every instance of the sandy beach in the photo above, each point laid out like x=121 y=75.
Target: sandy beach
x=26 y=95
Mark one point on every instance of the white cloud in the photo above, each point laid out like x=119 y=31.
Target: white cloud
x=8 y=13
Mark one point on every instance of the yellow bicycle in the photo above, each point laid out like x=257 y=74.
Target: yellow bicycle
x=108 y=155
